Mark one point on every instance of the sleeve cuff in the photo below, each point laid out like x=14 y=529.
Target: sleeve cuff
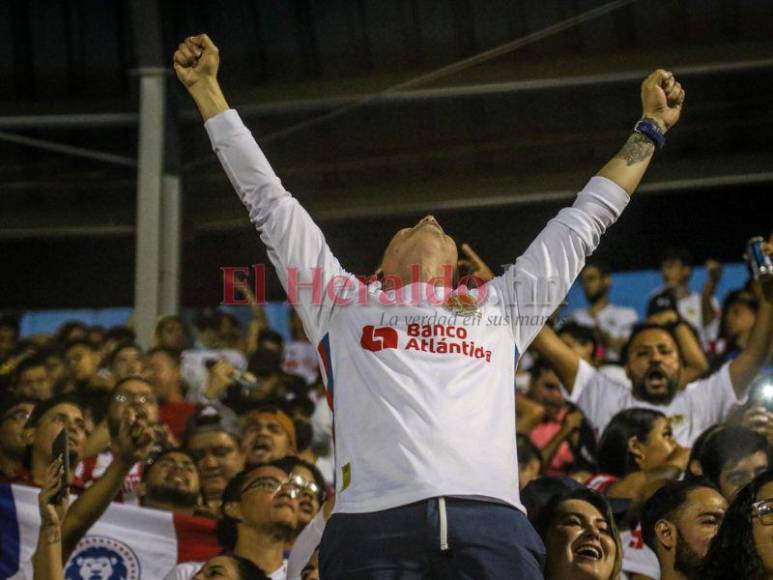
x=224 y=125
x=607 y=193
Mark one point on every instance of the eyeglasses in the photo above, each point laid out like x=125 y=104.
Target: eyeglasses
x=311 y=489
x=294 y=485
x=763 y=510
x=140 y=399
x=17 y=415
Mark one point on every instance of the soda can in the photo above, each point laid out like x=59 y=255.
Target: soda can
x=760 y=263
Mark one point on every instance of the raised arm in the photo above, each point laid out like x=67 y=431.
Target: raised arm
x=196 y=62
x=132 y=445
x=47 y=559
x=662 y=98
x=745 y=367
x=562 y=358
x=539 y=280
x=296 y=246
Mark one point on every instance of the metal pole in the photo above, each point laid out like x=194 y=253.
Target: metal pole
x=171 y=222
x=149 y=187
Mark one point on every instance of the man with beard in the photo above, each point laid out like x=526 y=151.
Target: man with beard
x=171 y=483
x=258 y=515
x=654 y=364
x=269 y=434
x=678 y=523
x=613 y=322
x=213 y=438
x=13 y=416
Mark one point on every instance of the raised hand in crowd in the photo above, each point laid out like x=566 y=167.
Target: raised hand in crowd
x=714 y=272
x=760 y=420
x=220 y=376
x=134 y=441
x=47 y=560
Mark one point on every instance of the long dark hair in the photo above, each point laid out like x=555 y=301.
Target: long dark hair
x=547 y=515
x=732 y=553
x=614 y=456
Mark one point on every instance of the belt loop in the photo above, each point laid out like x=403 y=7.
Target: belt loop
x=443 y=524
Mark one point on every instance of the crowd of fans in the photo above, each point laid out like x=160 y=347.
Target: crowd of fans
x=643 y=445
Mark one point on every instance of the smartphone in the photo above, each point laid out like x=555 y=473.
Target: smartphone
x=766 y=396
x=61 y=448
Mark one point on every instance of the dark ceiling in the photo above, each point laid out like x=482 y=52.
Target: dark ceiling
x=493 y=150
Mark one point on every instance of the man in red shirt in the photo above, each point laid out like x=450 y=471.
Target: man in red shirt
x=164 y=371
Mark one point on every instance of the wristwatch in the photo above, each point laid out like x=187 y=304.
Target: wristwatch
x=651 y=130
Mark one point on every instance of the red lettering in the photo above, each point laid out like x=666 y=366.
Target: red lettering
x=293 y=285
x=259 y=288
x=413 y=344
x=231 y=283
x=333 y=292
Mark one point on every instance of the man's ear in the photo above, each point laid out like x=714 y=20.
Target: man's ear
x=666 y=534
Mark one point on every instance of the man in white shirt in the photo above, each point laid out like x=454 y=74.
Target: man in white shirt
x=420 y=378
x=613 y=322
x=654 y=365
x=701 y=309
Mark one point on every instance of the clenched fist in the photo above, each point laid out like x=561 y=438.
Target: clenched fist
x=662 y=98
x=196 y=61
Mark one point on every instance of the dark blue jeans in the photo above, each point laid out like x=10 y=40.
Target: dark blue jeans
x=486 y=541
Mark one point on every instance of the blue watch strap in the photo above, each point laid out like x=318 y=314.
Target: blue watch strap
x=651 y=130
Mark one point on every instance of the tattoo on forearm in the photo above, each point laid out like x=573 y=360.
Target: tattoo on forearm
x=54 y=536
x=636 y=149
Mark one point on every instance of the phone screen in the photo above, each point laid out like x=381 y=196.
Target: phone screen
x=61 y=448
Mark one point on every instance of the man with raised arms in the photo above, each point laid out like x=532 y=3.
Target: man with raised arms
x=426 y=468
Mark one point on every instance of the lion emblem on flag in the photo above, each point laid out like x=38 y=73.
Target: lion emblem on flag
x=102 y=558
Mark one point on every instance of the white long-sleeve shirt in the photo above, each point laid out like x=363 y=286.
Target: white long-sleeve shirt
x=701 y=404
x=423 y=397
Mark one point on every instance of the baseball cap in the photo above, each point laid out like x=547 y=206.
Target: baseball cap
x=661 y=302
x=213 y=418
